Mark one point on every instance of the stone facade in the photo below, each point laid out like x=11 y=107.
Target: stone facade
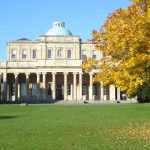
x=49 y=69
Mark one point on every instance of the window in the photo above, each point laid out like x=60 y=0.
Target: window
x=49 y=53
x=105 y=88
x=12 y=89
x=13 y=54
x=94 y=54
x=84 y=89
x=69 y=54
x=83 y=54
x=34 y=54
x=95 y=89
x=2 y=87
x=49 y=91
x=24 y=55
x=23 y=89
x=69 y=89
x=59 y=53
x=103 y=55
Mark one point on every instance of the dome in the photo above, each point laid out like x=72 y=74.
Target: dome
x=58 y=29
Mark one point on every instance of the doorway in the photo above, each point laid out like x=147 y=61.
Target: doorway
x=59 y=95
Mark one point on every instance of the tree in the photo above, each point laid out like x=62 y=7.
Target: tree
x=125 y=39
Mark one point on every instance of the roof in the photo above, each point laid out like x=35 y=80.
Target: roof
x=23 y=39
x=58 y=29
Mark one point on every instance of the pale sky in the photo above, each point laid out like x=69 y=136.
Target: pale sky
x=32 y=18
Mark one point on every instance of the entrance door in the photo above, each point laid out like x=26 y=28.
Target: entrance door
x=59 y=95
x=12 y=91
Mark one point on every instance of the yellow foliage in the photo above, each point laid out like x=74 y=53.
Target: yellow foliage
x=125 y=36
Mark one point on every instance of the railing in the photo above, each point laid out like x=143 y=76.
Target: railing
x=2 y=64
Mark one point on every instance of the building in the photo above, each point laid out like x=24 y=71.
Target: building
x=49 y=69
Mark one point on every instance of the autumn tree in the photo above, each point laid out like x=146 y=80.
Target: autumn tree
x=125 y=39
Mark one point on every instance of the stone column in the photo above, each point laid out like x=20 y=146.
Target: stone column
x=112 y=93
x=75 y=86
x=102 y=91
x=27 y=86
x=65 y=86
x=38 y=86
x=54 y=85
x=16 y=87
x=80 y=84
x=118 y=93
x=44 y=87
x=0 y=87
x=91 y=87
x=4 y=92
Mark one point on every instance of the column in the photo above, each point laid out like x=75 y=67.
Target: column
x=38 y=86
x=65 y=86
x=118 y=93
x=44 y=86
x=91 y=87
x=54 y=85
x=102 y=91
x=80 y=84
x=75 y=86
x=27 y=86
x=0 y=86
x=4 y=92
x=16 y=87
x=112 y=93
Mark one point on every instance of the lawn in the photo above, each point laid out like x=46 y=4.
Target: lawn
x=75 y=127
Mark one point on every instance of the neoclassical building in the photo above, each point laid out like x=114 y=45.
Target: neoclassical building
x=49 y=69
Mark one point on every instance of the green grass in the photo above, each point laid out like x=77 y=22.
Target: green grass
x=75 y=127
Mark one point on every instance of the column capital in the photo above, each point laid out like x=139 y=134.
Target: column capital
x=54 y=72
x=27 y=73
x=38 y=73
x=91 y=73
x=81 y=73
x=16 y=74
x=75 y=73
x=44 y=73
x=65 y=73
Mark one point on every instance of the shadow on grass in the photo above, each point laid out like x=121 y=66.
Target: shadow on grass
x=8 y=117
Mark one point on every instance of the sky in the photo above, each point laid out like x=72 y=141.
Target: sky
x=32 y=18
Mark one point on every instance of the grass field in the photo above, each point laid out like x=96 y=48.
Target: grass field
x=75 y=127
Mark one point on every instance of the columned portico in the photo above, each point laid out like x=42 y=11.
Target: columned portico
x=65 y=86
x=38 y=86
x=54 y=85
x=50 y=69
x=91 y=87
x=27 y=86
x=80 y=85
x=74 y=86
x=44 y=86
x=16 y=86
